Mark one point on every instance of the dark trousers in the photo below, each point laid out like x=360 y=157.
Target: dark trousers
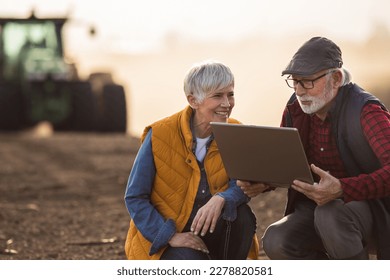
x=229 y=241
x=336 y=230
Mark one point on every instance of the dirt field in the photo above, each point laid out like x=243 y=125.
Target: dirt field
x=61 y=196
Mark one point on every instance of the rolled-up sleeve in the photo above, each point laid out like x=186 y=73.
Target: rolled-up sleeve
x=234 y=197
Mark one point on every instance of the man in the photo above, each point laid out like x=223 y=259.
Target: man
x=346 y=135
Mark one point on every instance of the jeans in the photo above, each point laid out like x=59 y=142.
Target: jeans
x=230 y=240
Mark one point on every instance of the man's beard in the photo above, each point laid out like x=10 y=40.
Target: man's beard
x=316 y=102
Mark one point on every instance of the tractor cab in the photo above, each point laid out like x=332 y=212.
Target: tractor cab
x=31 y=49
x=37 y=83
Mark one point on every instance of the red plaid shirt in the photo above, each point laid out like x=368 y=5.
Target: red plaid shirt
x=323 y=152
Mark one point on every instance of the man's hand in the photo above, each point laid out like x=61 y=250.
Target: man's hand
x=188 y=240
x=252 y=189
x=328 y=189
x=207 y=216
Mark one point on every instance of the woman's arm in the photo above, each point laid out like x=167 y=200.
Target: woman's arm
x=148 y=220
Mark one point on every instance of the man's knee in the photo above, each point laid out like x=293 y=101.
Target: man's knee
x=273 y=242
x=345 y=228
x=337 y=214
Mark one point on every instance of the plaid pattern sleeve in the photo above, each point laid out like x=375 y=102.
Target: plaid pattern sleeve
x=376 y=127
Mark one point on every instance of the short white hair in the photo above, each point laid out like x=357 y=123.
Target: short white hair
x=346 y=75
x=206 y=77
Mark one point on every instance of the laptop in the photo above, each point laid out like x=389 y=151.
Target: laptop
x=271 y=155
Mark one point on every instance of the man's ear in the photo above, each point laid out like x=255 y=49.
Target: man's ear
x=337 y=78
x=192 y=101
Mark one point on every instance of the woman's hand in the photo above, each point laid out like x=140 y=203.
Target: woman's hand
x=188 y=240
x=207 y=216
x=252 y=189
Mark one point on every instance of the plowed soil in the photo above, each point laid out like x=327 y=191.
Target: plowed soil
x=61 y=196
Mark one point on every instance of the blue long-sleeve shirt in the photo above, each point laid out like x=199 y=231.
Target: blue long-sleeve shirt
x=153 y=226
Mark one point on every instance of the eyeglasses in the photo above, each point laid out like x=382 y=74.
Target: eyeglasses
x=305 y=83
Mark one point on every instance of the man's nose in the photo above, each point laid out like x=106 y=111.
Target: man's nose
x=300 y=90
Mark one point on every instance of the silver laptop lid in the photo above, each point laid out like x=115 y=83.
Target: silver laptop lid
x=273 y=155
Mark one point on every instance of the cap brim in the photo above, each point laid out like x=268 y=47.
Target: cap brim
x=302 y=67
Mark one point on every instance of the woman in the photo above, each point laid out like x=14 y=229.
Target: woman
x=180 y=199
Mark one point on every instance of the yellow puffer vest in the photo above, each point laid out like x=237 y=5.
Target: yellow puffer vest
x=177 y=179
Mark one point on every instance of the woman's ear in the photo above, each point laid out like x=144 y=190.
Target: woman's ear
x=192 y=101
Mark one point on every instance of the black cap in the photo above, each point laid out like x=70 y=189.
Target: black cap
x=315 y=55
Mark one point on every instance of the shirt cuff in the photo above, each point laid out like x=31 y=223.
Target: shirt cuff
x=163 y=236
x=229 y=210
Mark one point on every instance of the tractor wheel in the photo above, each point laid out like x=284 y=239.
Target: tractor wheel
x=98 y=80
x=11 y=107
x=114 y=117
x=83 y=108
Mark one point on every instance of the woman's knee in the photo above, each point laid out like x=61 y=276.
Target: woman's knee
x=182 y=253
x=245 y=219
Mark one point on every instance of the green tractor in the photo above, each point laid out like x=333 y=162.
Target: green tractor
x=38 y=84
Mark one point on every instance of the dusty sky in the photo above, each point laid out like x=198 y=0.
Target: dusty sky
x=134 y=25
x=149 y=45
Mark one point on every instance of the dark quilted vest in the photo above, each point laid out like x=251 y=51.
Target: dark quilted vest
x=354 y=149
